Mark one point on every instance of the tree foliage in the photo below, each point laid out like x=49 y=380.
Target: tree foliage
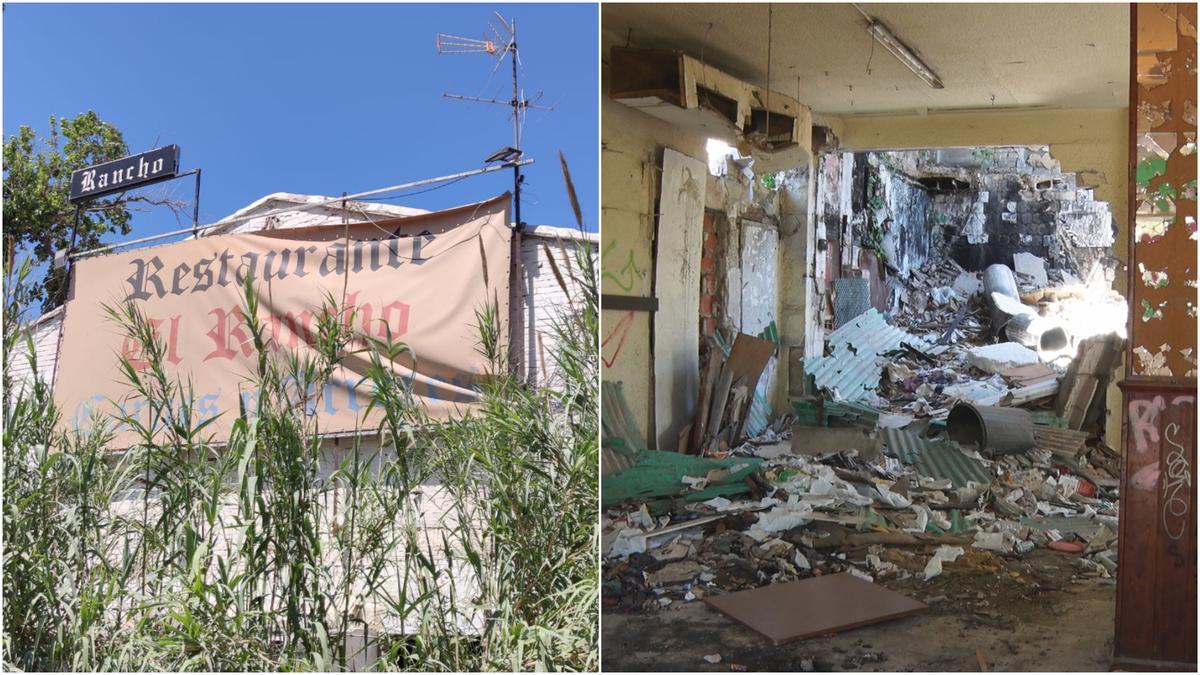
x=37 y=181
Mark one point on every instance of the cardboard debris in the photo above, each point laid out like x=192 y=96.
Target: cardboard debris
x=675 y=573
x=1081 y=396
x=816 y=606
x=818 y=440
x=1030 y=373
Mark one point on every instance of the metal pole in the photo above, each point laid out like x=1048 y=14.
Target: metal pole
x=196 y=206
x=516 y=131
x=306 y=207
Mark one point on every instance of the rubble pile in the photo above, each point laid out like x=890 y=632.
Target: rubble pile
x=878 y=519
x=930 y=446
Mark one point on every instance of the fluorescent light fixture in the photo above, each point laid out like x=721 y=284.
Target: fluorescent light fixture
x=901 y=51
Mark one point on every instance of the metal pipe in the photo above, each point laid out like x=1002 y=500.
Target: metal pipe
x=305 y=207
x=517 y=102
x=196 y=206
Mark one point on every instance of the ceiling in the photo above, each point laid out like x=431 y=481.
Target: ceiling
x=987 y=55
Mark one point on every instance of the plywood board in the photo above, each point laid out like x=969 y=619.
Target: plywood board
x=816 y=606
x=747 y=359
x=677 y=287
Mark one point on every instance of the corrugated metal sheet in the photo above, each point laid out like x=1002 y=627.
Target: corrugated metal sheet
x=1064 y=443
x=850 y=369
x=847 y=412
x=937 y=459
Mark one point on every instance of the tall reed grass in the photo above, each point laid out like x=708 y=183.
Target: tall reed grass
x=272 y=553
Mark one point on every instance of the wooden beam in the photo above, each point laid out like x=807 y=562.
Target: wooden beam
x=629 y=302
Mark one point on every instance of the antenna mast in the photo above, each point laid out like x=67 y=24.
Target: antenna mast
x=453 y=44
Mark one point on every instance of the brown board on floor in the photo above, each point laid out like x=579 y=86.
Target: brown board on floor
x=811 y=441
x=816 y=606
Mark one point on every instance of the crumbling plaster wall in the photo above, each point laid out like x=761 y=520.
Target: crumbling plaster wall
x=631 y=152
x=1092 y=143
x=631 y=146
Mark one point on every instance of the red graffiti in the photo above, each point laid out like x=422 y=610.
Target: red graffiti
x=288 y=330
x=229 y=329
x=620 y=332
x=132 y=351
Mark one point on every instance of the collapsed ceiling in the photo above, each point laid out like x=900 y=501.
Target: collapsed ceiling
x=987 y=55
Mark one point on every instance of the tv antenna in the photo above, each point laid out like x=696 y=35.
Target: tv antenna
x=498 y=43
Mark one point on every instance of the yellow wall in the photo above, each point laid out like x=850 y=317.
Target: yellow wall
x=631 y=143
x=1092 y=143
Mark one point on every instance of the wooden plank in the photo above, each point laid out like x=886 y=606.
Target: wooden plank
x=632 y=303
x=716 y=411
x=715 y=362
x=679 y=238
x=1079 y=399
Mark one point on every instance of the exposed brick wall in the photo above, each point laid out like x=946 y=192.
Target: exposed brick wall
x=711 y=306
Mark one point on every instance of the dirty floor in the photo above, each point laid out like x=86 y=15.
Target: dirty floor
x=1033 y=623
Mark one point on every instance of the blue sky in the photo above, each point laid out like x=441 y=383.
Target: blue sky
x=315 y=99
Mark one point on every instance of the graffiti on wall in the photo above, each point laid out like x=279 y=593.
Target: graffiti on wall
x=616 y=338
x=1172 y=476
x=628 y=275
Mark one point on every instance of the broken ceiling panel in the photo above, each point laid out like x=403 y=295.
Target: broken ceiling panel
x=685 y=92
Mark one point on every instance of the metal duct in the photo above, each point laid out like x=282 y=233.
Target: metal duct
x=1048 y=337
x=996 y=430
x=999 y=278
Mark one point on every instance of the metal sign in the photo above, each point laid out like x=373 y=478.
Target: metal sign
x=125 y=173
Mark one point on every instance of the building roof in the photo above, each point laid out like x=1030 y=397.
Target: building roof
x=279 y=200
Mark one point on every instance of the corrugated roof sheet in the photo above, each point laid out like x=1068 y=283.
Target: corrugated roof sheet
x=938 y=459
x=851 y=368
x=1061 y=442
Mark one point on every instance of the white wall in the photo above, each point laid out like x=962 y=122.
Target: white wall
x=45 y=332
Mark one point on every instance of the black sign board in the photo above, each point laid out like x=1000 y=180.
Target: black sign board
x=125 y=173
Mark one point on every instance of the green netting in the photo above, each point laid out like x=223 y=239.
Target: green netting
x=656 y=474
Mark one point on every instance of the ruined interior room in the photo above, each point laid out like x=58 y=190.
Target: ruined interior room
x=898 y=337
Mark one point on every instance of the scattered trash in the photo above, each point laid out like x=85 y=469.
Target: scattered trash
x=944 y=554
x=928 y=446
x=712 y=658
x=1066 y=546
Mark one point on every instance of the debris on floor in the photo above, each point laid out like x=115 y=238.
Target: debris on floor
x=934 y=445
